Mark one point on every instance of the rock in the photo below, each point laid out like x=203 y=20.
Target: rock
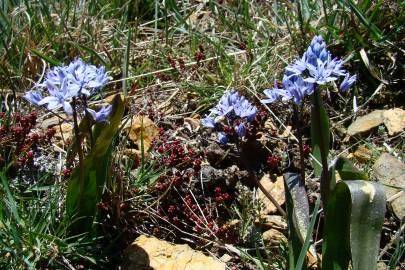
x=215 y=154
x=366 y=122
x=225 y=258
x=64 y=133
x=390 y=171
x=276 y=189
x=381 y=266
x=267 y=222
x=394 y=120
x=141 y=131
x=150 y=253
x=273 y=237
x=215 y=177
x=363 y=154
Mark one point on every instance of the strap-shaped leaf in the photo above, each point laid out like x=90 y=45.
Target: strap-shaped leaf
x=297 y=215
x=82 y=197
x=320 y=139
x=354 y=218
x=347 y=171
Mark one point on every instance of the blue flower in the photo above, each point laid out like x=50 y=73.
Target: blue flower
x=347 y=82
x=245 y=109
x=33 y=96
x=67 y=82
x=208 y=122
x=81 y=77
x=298 y=67
x=225 y=105
x=296 y=88
x=86 y=77
x=315 y=67
x=60 y=97
x=230 y=107
x=316 y=51
x=102 y=115
x=222 y=138
x=241 y=130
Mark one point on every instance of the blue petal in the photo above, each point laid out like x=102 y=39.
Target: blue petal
x=222 y=138
x=33 y=97
x=67 y=108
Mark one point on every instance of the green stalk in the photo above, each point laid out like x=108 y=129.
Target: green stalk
x=301 y=23
x=79 y=142
x=325 y=179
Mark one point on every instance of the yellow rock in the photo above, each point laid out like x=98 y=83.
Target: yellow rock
x=273 y=237
x=366 y=122
x=150 y=253
x=142 y=130
x=276 y=189
x=394 y=120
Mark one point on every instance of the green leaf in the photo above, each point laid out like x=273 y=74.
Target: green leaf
x=347 y=171
x=89 y=50
x=362 y=17
x=82 y=197
x=308 y=237
x=297 y=216
x=47 y=58
x=316 y=129
x=353 y=223
x=305 y=9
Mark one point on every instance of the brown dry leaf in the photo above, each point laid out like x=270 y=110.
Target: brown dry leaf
x=193 y=123
x=267 y=222
x=394 y=120
x=312 y=260
x=276 y=189
x=286 y=133
x=110 y=98
x=269 y=125
x=142 y=128
x=363 y=154
x=366 y=122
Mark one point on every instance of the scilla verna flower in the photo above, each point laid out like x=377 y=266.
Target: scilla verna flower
x=229 y=115
x=67 y=82
x=102 y=115
x=315 y=67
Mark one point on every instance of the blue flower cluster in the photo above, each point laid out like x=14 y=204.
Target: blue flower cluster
x=67 y=82
x=316 y=67
x=229 y=116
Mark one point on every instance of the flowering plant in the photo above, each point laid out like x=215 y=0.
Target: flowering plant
x=315 y=67
x=349 y=209
x=230 y=117
x=76 y=81
x=69 y=87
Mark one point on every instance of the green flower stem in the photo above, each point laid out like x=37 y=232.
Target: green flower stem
x=79 y=141
x=84 y=100
x=325 y=179
x=297 y=120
